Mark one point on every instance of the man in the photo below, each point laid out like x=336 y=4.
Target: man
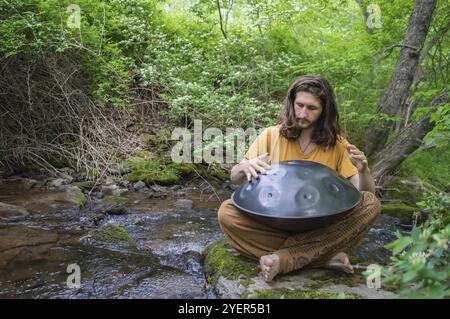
x=309 y=130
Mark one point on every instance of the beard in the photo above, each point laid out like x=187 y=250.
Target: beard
x=303 y=124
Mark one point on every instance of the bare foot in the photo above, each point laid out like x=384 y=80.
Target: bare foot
x=270 y=266
x=340 y=262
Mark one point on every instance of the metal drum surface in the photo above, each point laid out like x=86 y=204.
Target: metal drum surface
x=297 y=196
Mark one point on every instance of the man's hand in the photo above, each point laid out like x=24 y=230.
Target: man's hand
x=357 y=157
x=363 y=180
x=249 y=168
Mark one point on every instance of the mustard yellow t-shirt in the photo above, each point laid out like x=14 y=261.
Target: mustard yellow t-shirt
x=280 y=149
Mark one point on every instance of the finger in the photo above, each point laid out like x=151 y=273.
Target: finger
x=356 y=152
x=358 y=157
x=263 y=164
x=263 y=156
x=258 y=168
x=253 y=172
x=249 y=177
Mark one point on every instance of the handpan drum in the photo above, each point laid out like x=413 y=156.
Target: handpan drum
x=297 y=196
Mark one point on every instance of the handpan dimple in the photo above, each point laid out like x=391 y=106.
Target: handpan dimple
x=332 y=185
x=307 y=197
x=303 y=173
x=269 y=197
x=296 y=196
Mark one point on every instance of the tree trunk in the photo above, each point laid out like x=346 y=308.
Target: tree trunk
x=409 y=140
x=397 y=92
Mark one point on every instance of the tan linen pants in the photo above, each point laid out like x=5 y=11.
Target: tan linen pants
x=297 y=250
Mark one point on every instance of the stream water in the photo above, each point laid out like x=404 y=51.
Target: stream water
x=36 y=251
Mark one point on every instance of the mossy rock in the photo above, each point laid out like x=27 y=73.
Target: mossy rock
x=186 y=169
x=298 y=294
x=407 y=191
x=221 y=260
x=324 y=279
x=234 y=276
x=74 y=195
x=151 y=172
x=86 y=185
x=113 y=235
x=403 y=212
x=115 y=199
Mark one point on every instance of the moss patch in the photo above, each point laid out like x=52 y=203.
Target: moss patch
x=164 y=172
x=75 y=195
x=329 y=277
x=220 y=261
x=151 y=171
x=401 y=211
x=407 y=190
x=115 y=199
x=430 y=165
x=298 y=294
x=114 y=234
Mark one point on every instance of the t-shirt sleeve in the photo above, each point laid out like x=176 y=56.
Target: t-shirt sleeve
x=346 y=167
x=259 y=146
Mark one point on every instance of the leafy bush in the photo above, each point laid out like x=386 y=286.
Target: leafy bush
x=420 y=261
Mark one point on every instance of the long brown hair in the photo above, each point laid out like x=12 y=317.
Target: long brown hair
x=327 y=129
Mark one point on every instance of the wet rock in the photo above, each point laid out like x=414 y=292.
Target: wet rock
x=97 y=218
x=139 y=222
x=12 y=212
x=110 y=236
x=28 y=183
x=175 y=187
x=73 y=194
x=22 y=240
x=159 y=189
x=55 y=183
x=138 y=185
x=107 y=189
x=117 y=210
x=184 y=203
x=179 y=194
x=208 y=190
x=151 y=194
x=111 y=207
x=98 y=195
x=124 y=183
x=147 y=193
x=234 y=276
x=66 y=177
x=119 y=191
